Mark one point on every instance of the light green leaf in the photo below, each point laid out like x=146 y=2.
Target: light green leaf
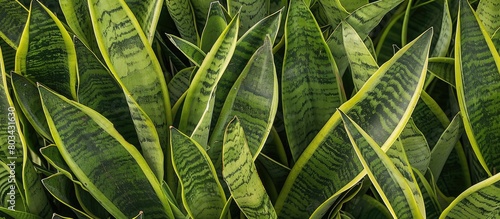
x=132 y=62
x=443 y=68
x=180 y=83
x=46 y=53
x=253 y=99
x=399 y=197
x=215 y=26
x=110 y=168
x=477 y=66
x=147 y=13
x=202 y=193
x=481 y=200
x=76 y=13
x=182 y=13
x=191 y=51
x=415 y=146
x=398 y=84
x=308 y=68
x=241 y=175
x=206 y=78
x=487 y=12
x=432 y=208
x=5 y=212
x=445 y=145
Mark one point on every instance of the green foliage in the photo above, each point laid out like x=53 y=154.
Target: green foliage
x=249 y=109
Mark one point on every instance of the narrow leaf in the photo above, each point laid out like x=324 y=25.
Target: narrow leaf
x=14 y=16
x=202 y=194
x=182 y=13
x=241 y=175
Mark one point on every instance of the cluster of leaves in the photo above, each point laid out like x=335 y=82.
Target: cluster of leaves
x=250 y=108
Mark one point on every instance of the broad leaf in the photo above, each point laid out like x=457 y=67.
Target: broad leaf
x=102 y=160
x=14 y=16
x=182 y=13
x=308 y=68
x=397 y=84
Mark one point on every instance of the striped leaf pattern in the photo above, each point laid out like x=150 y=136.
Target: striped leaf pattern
x=207 y=76
x=308 y=68
x=216 y=23
x=147 y=13
x=202 y=194
x=245 y=48
x=253 y=99
x=251 y=12
x=391 y=92
x=29 y=102
x=445 y=145
x=391 y=184
x=415 y=146
x=182 y=13
x=479 y=201
x=77 y=17
x=14 y=16
x=487 y=12
x=478 y=84
x=132 y=61
x=46 y=53
x=191 y=51
x=102 y=160
x=241 y=175
x=8 y=194
x=96 y=81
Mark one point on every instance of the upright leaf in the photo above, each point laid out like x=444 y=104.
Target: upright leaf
x=202 y=194
x=110 y=168
x=381 y=107
x=182 y=13
x=215 y=26
x=207 y=76
x=76 y=13
x=46 y=53
x=477 y=66
x=241 y=175
x=253 y=99
x=131 y=60
x=308 y=68
x=488 y=14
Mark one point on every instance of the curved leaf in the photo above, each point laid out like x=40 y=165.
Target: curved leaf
x=251 y=12
x=215 y=26
x=202 y=194
x=253 y=99
x=191 y=51
x=487 y=12
x=477 y=65
x=381 y=107
x=102 y=160
x=241 y=175
x=390 y=183
x=147 y=13
x=482 y=200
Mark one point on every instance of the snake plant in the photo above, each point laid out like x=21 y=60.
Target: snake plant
x=249 y=109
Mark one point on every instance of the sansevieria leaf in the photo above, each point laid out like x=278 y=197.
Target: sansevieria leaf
x=110 y=168
x=182 y=13
x=477 y=68
x=381 y=107
x=207 y=76
x=14 y=17
x=46 y=53
x=131 y=60
x=241 y=175
x=308 y=68
x=385 y=176
x=202 y=193
x=147 y=13
x=481 y=200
